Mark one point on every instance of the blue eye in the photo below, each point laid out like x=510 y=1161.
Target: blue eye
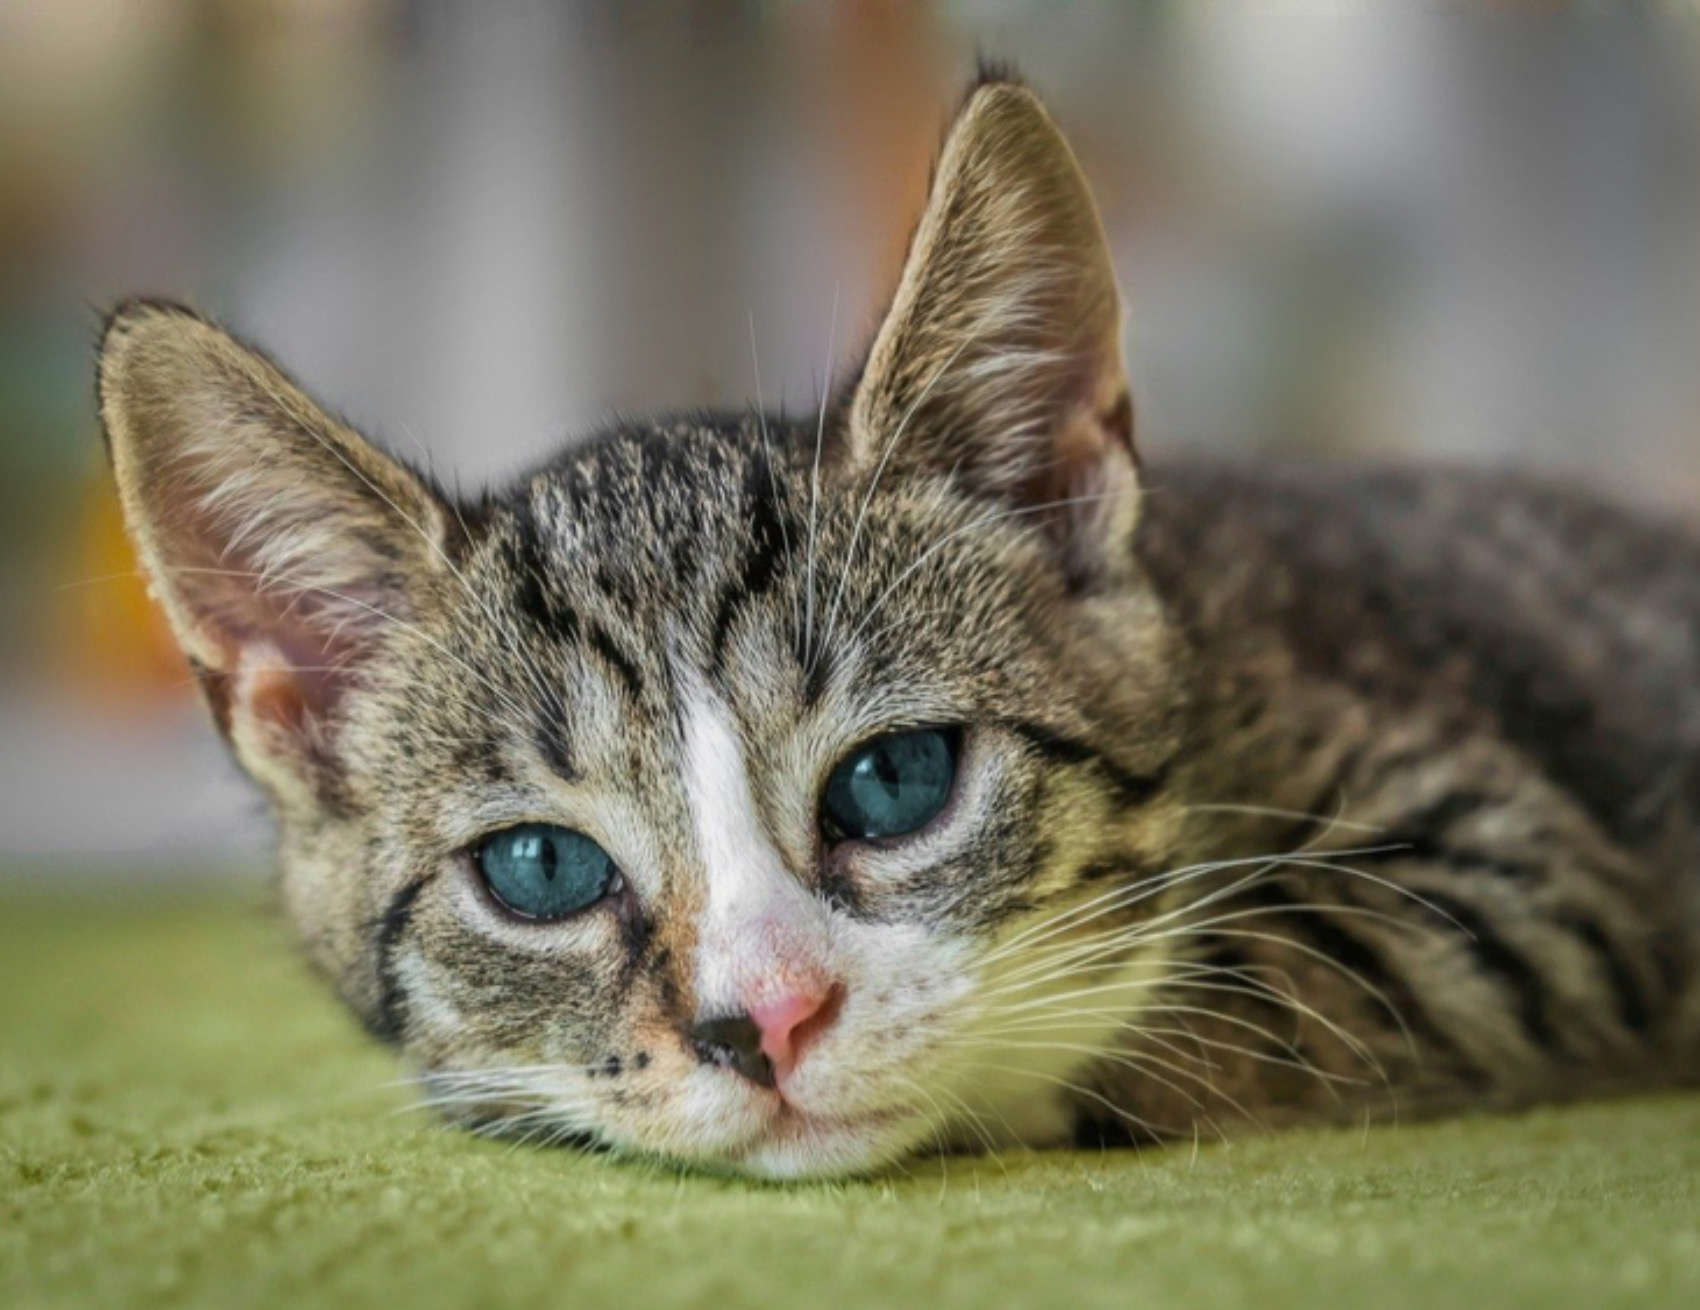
x=540 y=871
x=891 y=786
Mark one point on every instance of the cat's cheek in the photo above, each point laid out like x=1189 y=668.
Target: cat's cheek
x=905 y=985
x=706 y=1118
x=436 y=1024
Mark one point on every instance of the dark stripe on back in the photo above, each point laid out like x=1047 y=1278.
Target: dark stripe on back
x=1496 y=956
x=1404 y=846
x=1633 y=1009
x=1335 y=942
x=1420 y=833
x=1445 y=811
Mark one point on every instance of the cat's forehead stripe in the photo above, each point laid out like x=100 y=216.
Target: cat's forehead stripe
x=768 y=545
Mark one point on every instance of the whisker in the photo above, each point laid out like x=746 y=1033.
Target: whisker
x=1128 y=895
x=1142 y=1064
x=475 y=1071
x=772 y=480
x=1144 y=1125
x=809 y=653
x=1120 y=897
x=1292 y=1060
x=891 y=445
x=1252 y=987
x=1275 y=812
x=1117 y=939
x=980 y=522
x=1110 y=945
x=1329 y=961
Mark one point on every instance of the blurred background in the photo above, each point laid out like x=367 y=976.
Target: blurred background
x=1383 y=229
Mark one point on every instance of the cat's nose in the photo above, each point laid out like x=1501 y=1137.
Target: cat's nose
x=735 y=1042
x=765 y=1042
x=791 y=1022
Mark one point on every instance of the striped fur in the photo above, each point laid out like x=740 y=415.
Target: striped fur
x=1285 y=794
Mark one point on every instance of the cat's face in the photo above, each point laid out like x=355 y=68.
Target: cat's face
x=694 y=795
x=636 y=663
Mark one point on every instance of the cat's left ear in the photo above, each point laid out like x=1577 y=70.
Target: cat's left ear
x=285 y=549
x=999 y=361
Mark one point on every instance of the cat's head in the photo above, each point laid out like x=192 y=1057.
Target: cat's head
x=693 y=794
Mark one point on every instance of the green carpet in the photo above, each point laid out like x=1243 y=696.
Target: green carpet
x=186 y=1118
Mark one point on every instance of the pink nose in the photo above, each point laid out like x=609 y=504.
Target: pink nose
x=793 y=1021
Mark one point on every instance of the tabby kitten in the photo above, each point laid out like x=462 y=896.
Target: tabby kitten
x=786 y=798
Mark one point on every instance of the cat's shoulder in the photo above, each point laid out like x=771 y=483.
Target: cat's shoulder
x=1567 y=616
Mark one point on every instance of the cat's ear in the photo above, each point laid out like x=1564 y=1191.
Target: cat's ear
x=282 y=546
x=999 y=360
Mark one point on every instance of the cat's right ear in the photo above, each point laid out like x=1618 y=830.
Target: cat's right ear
x=999 y=362
x=283 y=547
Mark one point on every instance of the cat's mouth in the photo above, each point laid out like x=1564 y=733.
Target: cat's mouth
x=780 y=1137
x=794 y=1142
x=783 y=1114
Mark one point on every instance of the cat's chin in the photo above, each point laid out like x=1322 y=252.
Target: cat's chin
x=798 y=1145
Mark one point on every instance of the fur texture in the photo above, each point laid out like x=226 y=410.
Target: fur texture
x=1284 y=794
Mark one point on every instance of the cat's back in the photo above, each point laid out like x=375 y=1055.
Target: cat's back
x=1568 y=622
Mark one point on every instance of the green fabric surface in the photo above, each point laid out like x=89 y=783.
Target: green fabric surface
x=186 y=1117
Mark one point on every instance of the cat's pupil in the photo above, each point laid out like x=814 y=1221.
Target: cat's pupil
x=540 y=871
x=890 y=787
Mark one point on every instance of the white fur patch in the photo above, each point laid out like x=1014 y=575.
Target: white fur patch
x=762 y=935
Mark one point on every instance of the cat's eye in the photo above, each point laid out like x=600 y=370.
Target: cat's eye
x=540 y=871
x=890 y=787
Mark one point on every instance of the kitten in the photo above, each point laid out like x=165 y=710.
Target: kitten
x=786 y=799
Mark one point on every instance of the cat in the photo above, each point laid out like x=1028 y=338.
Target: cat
x=789 y=795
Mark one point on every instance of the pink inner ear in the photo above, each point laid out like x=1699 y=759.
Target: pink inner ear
x=287 y=643
x=273 y=697
x=1093 y=464
x=286 y=677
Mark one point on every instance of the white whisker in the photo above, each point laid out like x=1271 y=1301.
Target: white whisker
x=985 y=520
x=809 y=653
x=772 y=479
x=891 y=445
x=1275 y=812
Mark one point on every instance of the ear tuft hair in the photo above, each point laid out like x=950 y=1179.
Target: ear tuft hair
x=993 y=70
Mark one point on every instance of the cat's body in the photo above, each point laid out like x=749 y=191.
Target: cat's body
x=784 y=794
x=1499 y=680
